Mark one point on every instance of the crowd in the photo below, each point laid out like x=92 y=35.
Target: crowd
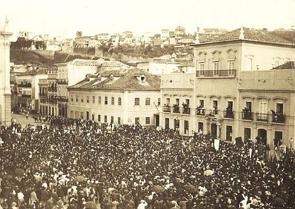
x=78 y=164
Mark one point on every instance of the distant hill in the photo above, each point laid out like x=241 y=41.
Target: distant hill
x=19 y=56
x=288 y=35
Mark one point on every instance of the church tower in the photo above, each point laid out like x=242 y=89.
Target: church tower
x=5 y=93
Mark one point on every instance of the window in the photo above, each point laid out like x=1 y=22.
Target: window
x=82 y=99
x=119 y=101
x=249 y=64
x=87 y=99
x=168 y=101
x=215 y=67
x=202 y=103
x=72 y=99
x=159 y=101
x=186 y=127
x=215 y=104
x=278 y=138
x=147 y=101
x=77 y=98
x=106 y=100
x=176 y=124
x=92 y=117
x=187 y=101
x=230 y=105
x=136 y=120
x=215 y=107
x=166 y=123
x=119 y=120
x=200 y=127
x=147 y=120
x=280 y=108
x=136 y=101
x=229 y=131
x=99 y=99
x=113 y=101
x=249 y=106
x=112 y=119
x=202 y=68
x=231 y=64
x=98 y=118
x=177 y=101
x=82 y=115
x=93 y=99
x=105 y=119
x=247 y=133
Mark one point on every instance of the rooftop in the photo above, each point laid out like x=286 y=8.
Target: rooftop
x=128 y=79
x=249 y=34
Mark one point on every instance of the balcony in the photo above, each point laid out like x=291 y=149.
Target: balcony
x=25 y=85
x=262 y=117
x=186 y=110
x=247 y=115
x=62 y=99
x=200 y=111
x=229 y=114
x=214 y=111
x=176 y=108
x=278 y=117
x=52 y=89
x=62 y=81
x=166 y=108
x=217 y=73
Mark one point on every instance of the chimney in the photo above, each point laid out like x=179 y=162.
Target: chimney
x=197 y=41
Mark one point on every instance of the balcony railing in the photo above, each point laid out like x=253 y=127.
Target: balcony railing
x=50 y=89
x=25 y=85
x=200 y=111
x=186 y=110
x=214 y=112
x=166 y=108
x=62 y=81
x=246 y=115
x=278 y=118
x=176 y=109
x=216 y=73
x=228 y=114
x=262 y=117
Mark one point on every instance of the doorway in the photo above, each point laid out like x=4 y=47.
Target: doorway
x=166 y=123
x=262 y=136
x=214 y=130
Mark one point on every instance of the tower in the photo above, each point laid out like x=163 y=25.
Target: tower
x=5 y=93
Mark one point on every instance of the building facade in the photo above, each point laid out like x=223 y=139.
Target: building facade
x=236 y=91
x=127 y=97
x=177 y=90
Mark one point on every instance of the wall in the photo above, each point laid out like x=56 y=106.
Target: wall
x=265 y=56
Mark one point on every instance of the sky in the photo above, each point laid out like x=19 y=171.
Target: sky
x=65 y=17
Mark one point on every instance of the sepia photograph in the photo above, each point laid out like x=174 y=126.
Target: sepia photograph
x=147 y=104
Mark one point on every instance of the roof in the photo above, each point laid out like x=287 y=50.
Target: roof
x=287 y=65
x=128 y=79
x=250 y=34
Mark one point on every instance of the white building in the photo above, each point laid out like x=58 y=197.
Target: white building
x=5 y=93
x=121 y=97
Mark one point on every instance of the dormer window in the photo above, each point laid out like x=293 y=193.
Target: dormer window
x=142 y=78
